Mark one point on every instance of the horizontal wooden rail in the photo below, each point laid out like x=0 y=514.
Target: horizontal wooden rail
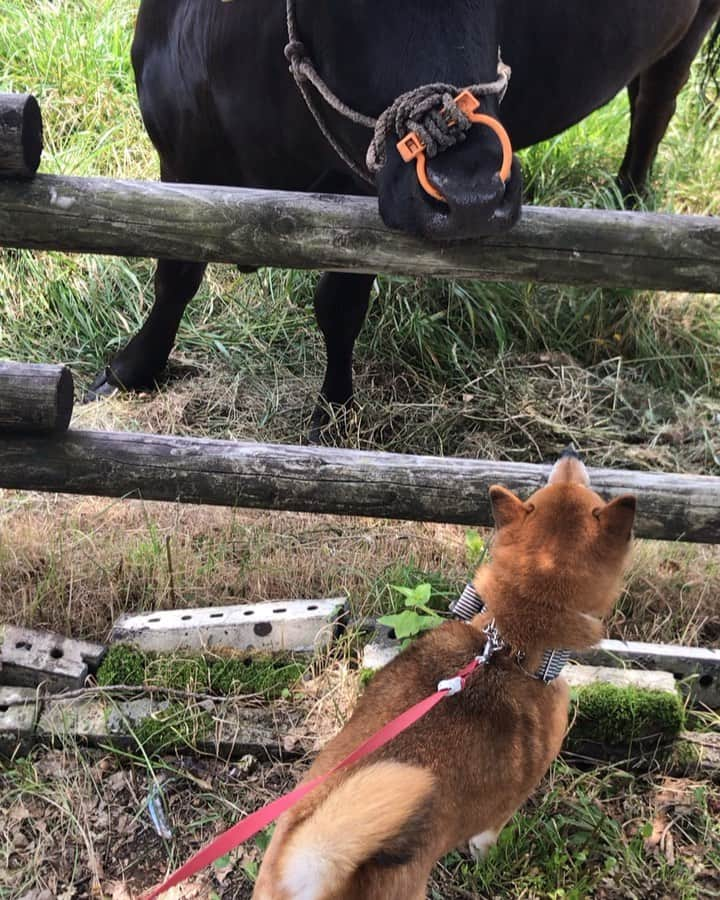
x=252 y=227
x=320 y=480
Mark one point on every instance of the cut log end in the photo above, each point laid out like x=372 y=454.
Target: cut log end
x=35 y=399
x=63 y=401
x=21 y=135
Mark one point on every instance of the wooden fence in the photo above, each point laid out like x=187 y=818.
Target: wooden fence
x=250 y=227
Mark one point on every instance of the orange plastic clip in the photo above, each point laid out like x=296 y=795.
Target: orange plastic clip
x=412 y=148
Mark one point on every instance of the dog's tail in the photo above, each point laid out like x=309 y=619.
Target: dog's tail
x=370 y=812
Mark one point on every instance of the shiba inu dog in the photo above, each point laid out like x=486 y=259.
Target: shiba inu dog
x=375 y=830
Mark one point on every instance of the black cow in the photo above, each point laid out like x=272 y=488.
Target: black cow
x=221 y=107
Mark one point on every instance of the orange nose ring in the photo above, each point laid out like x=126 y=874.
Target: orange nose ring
x=412 y=148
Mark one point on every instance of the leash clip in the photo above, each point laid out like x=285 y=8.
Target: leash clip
x=493 y=644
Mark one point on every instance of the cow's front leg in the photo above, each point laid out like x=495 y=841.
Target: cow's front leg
x=141 y=361
x=341 y=303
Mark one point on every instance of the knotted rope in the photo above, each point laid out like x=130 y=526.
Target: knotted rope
x=429 y=110
x=432 y=113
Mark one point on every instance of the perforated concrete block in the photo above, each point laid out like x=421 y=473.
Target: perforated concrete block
x=18 y=712
x=300 y=626
x=29 y=658
x=696 y=668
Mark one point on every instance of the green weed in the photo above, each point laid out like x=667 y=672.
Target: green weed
x=417 y=615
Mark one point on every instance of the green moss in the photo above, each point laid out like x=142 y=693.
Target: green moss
x=267 y=676
x=179 y=672
x=122 y=665
x=175 y=726
x=366 y=676
x=270 y=677
x=619 y=715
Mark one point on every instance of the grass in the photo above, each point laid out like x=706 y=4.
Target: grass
x=576 y=840
x=175 y=726
x=504 y=371
x=75 y=565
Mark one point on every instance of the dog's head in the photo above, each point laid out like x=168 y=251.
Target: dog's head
x=557 y=559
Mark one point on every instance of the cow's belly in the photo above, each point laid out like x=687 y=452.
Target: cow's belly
x=567 y=64
x=217 y=99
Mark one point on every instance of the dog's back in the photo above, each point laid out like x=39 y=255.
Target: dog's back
x=376 y=830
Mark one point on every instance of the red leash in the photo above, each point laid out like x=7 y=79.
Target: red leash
x=250 y=825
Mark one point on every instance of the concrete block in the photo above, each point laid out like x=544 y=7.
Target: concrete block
x=29 y=658
x=232 y=731
x=578 y=676
x=275 y=732
x=95 y=718
x=377 y=655
x=638 y=728
x=699 y=665
x=18 y=713
x=300 y=626
x=697 y=755
x=380 y=650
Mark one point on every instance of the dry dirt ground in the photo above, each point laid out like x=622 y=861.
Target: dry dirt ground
x=73 y=825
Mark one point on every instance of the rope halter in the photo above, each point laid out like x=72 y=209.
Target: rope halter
x=424 y=121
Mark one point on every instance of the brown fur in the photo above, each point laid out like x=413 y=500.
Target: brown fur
x=557 y=564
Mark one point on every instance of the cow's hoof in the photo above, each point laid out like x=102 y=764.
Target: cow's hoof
x=329 y=424
x=101 y=392
x=121 y=376
x=322 y=433
x=632 y=196
x=102 y=388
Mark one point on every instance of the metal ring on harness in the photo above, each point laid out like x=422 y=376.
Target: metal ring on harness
x=412 y=148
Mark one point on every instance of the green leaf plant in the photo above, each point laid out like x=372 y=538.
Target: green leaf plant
x=417 y=615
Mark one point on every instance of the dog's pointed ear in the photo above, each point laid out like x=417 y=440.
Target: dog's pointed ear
x=506 y=507
x=618 y=516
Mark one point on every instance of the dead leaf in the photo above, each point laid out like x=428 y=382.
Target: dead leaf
x=221 y=872
x=291 y=742
x=116 y=782
x=676 y=793
x=199 y=889
x=19 y=841
x=669 y=848
x=19 y=812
